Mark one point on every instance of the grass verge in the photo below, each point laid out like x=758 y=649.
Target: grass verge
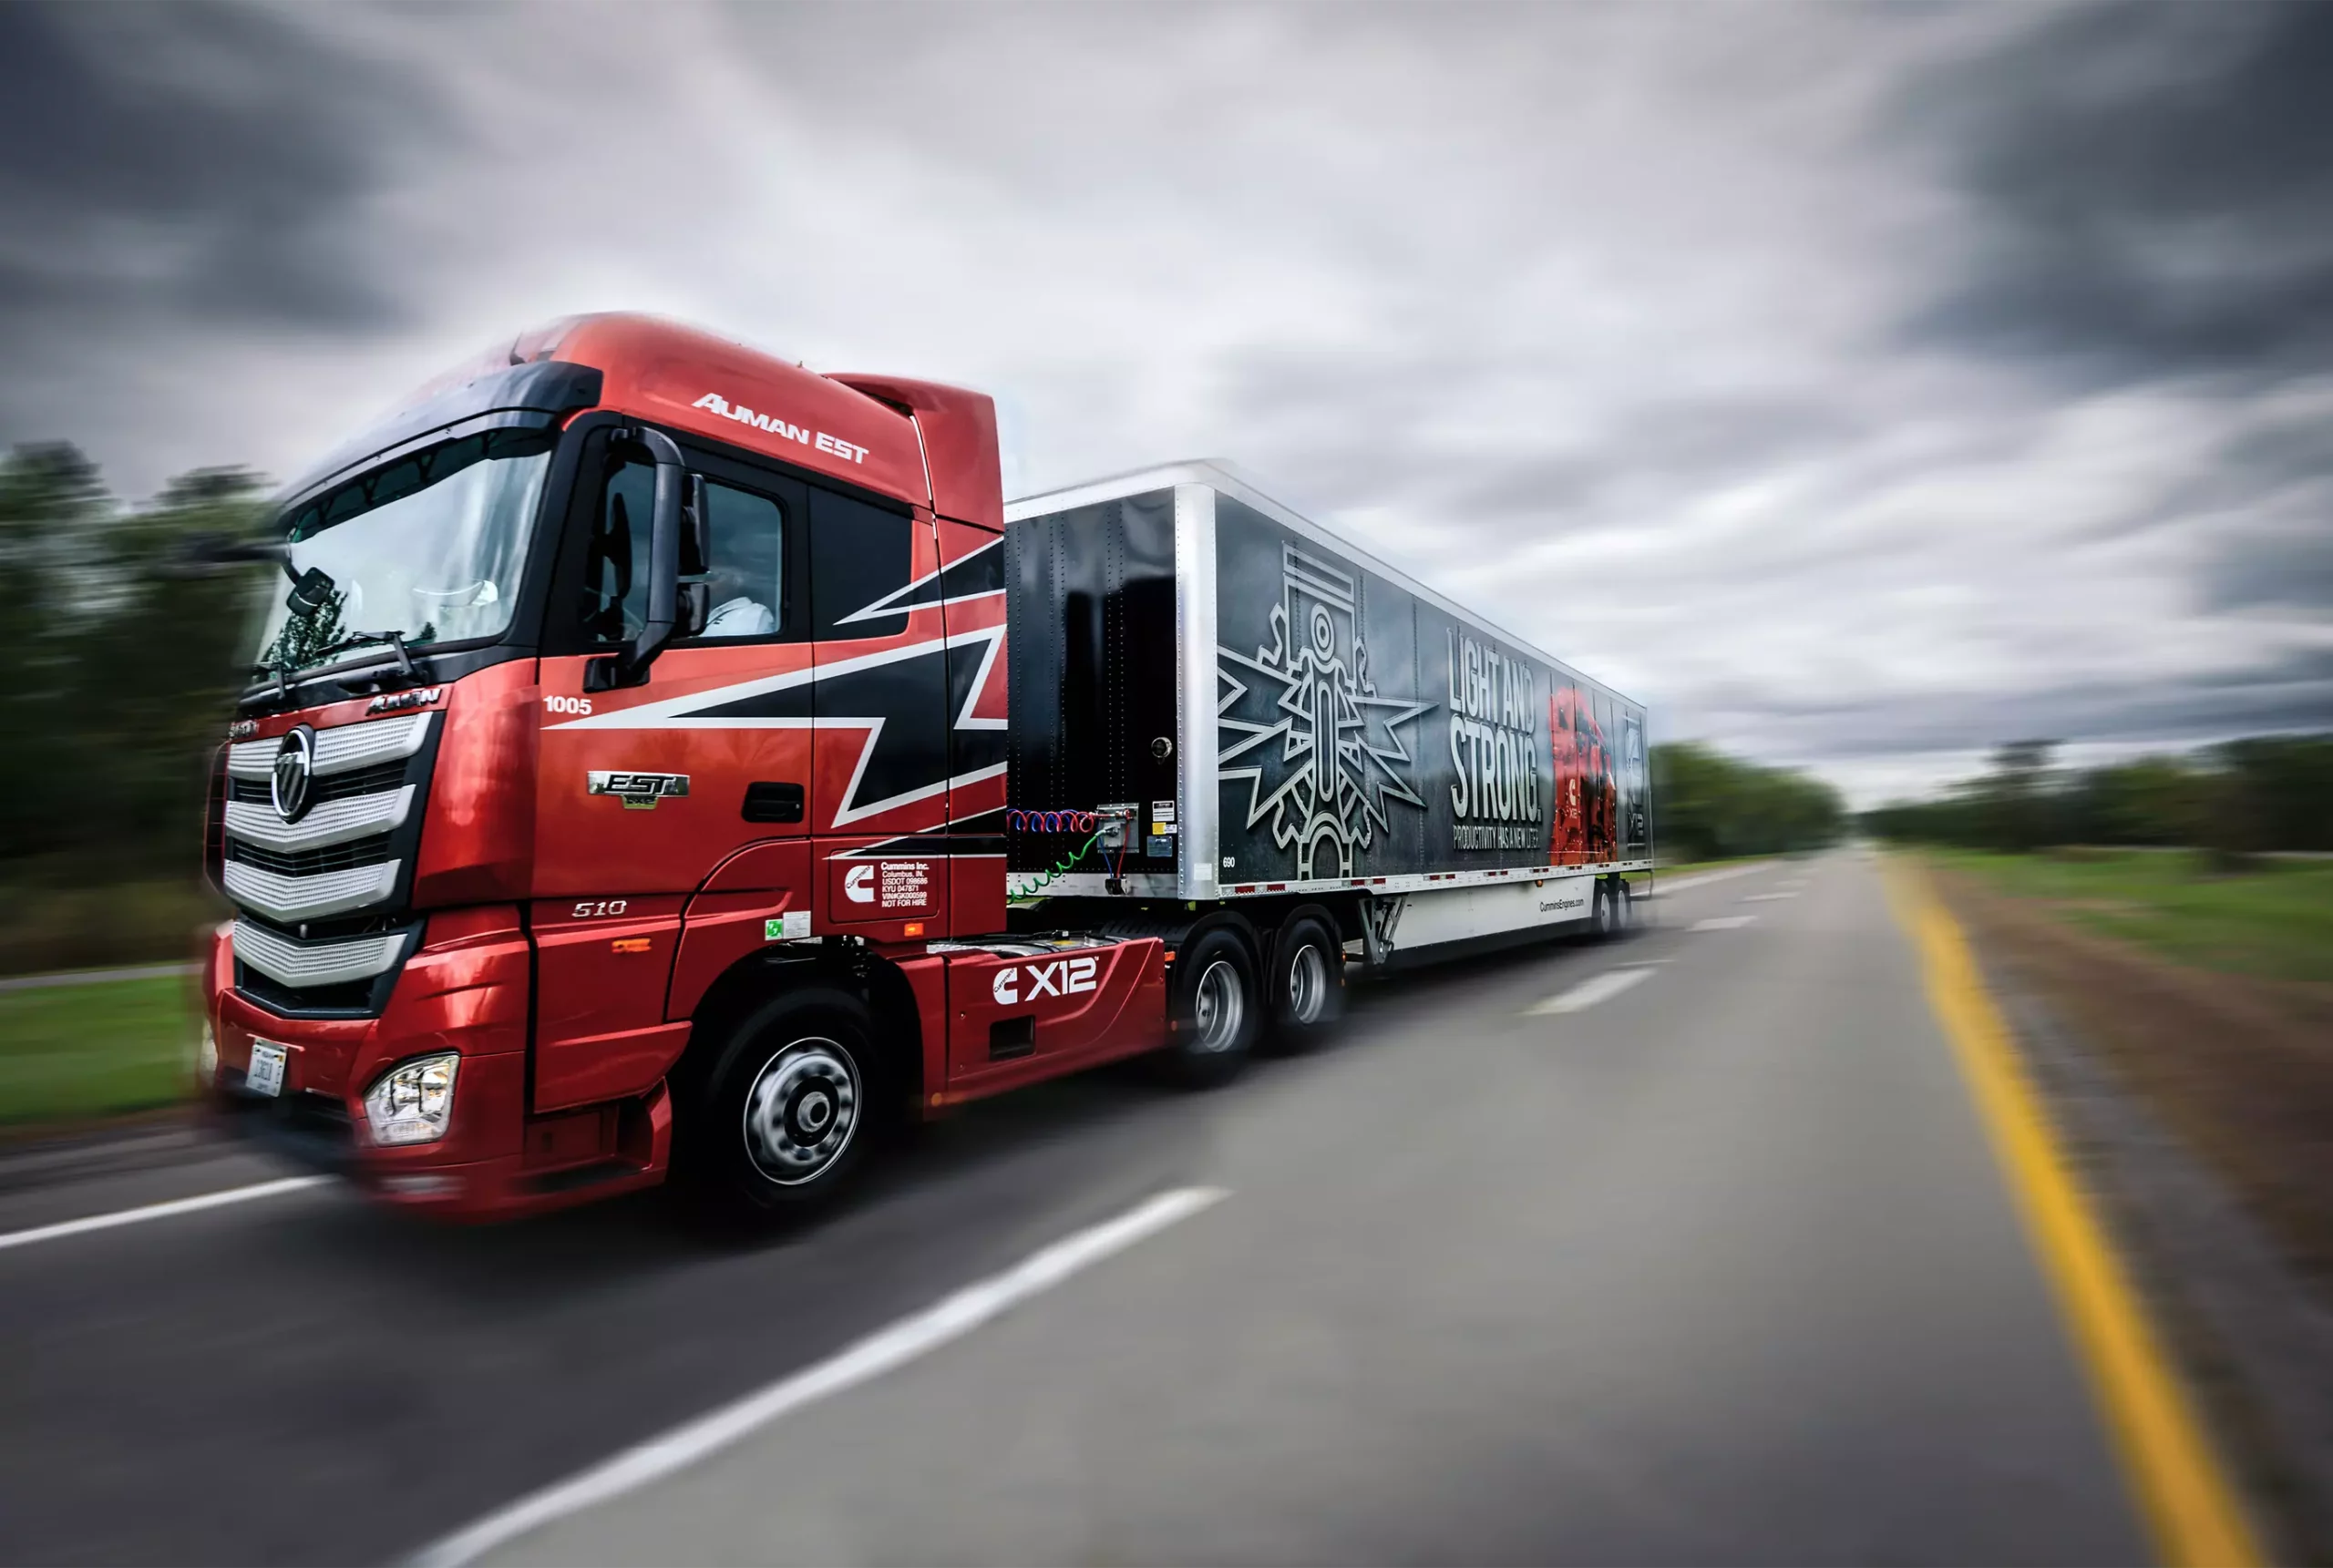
x=76 y=1053
x=2273 y=921
x=2211 y=998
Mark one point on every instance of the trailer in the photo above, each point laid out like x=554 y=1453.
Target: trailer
x=667 y=761
x=1243 y=709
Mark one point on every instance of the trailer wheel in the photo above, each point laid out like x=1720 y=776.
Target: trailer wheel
x=1308 y=982
x=1624 y=910
x=783 y=1117
x=1216 y=1015
x=1599 y=912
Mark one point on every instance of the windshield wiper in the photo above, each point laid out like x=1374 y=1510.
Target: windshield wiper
x=394 y=639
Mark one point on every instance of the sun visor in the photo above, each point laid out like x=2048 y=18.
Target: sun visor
x=533 y=395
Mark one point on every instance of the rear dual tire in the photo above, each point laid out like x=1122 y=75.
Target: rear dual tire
x=1308 y=983
x=1217 y=1010
x=1610 y=911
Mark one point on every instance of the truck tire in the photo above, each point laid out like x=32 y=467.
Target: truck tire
x=1217 y=1010
x=783 y=1116
x=1308 y=982
x=1599 y=913
x=1624 y=911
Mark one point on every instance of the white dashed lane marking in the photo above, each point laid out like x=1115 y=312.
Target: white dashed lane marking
x=160 y=1211
x=1766 y=898
x=1591 y=990
x=1722 y=922
x=884 y=1351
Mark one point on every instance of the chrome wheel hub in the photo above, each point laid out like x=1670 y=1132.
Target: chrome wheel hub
x=1221 y=1008
x=801 y=1110
x=1308 y=984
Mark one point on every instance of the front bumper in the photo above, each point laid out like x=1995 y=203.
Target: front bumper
x=466 y=991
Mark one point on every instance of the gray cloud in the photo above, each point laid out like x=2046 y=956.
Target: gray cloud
x=2288 y=568
x=2152 y=189
x=180 y=186
x=2292 y=693
x=1860 y=385
x=192 y=159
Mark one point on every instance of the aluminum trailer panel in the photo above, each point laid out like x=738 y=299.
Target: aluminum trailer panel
x=1270 y=709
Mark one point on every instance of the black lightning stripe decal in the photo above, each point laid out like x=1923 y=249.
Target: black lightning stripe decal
x=915 y=704
x=967 y=577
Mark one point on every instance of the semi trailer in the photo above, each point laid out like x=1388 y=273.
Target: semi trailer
x=668 y=762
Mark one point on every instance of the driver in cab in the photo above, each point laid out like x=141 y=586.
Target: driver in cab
x=736 y=611
x=744 y=570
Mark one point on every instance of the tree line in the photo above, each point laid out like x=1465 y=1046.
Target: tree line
x=118 y=668
x=1707 y=806
x=2248 y=796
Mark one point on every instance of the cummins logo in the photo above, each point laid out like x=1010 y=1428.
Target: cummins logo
x=1058 y=979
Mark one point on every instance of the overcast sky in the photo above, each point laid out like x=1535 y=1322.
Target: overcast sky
x=1861 y=387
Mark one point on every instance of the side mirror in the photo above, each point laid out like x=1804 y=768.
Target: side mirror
x=630 y=668
x=311 y=593
x=696 y=559
x=696 y=531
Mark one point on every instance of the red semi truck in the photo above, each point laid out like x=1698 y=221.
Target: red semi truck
x=668 y=759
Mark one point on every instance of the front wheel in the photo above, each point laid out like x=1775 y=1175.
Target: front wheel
x=1216 y=1015
x=782 y=1119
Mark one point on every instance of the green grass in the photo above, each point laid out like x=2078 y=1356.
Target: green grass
x=2275 y=921
x=79 y=1052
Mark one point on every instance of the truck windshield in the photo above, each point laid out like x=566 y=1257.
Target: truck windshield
x=429 y=547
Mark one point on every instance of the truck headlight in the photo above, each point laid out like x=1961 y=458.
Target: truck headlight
x=414 y=1101
x=206 y=1058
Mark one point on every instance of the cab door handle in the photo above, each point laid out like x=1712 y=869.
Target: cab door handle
x=769 y=800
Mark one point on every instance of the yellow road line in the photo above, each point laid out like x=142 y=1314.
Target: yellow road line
x=2182 y=1490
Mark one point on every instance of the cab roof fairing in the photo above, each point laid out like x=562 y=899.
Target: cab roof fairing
x=920 y=442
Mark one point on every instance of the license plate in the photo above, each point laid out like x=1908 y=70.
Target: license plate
x=266 y=1074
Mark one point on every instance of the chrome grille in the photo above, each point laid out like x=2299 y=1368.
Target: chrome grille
x=307 y=965
x=293 y=898
x=346 y=856
x=339 y=787
x=342 y=750
x=328 y=822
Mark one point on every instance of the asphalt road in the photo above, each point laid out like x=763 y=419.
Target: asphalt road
x=1712 y=1265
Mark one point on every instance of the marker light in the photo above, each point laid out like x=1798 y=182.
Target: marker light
x=414 y=1101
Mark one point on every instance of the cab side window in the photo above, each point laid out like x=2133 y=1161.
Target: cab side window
x=745 y=566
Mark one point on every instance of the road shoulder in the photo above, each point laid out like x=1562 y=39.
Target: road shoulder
x=2171 y=1459
x=2253 y=1337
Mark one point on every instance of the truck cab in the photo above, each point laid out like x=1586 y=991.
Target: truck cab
x=624 y=749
